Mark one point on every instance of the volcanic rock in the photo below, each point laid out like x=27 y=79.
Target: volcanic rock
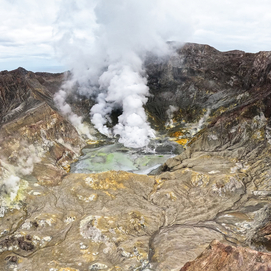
x=215 y=104
x=21 y=90
x=224 y=257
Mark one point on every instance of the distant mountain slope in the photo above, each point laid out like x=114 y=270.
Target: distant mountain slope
x=20 y=90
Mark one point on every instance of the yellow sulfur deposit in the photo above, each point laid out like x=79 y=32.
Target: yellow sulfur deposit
x=182 y=141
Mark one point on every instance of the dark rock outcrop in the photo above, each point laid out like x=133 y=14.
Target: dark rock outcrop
x=197 y=77
x=224 y=257
x=21 y=90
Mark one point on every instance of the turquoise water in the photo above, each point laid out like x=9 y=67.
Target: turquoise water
x=118 y=157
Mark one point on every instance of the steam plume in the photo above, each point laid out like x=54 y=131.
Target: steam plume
x=104 y=43
x=59 y=99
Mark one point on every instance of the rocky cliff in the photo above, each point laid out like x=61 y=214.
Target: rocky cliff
x=21 y=90
x=215 y=104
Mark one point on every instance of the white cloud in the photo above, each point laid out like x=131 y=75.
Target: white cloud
x=26 y=26
x=26 y=34
x=229 y=25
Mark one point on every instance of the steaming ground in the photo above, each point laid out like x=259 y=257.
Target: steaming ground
x=104 y=44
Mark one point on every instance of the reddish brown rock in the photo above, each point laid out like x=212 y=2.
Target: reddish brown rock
x=223 y=257
x=262 y=237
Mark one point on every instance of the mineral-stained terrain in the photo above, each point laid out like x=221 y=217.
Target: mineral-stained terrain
x=207 y=208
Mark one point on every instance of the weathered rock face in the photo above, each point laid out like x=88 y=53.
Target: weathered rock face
x=198 y=78
x=218 y=188
x=21 y=90
x=34 y=138
x=237 y=131
x=40 y=143
x=220 y=257
x=36 y=142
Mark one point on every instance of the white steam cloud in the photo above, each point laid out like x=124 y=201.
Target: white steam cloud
x=12 y=186
x=104 y=44
x=60 y=101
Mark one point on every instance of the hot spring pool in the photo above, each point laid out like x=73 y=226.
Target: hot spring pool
x=118 y=157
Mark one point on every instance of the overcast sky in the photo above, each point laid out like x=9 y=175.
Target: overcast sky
x=28 y=27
